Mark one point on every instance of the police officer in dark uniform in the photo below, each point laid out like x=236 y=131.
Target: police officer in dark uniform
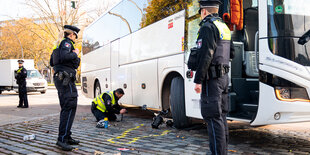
x=215 y=50
x=20 y=76
x=65 y=61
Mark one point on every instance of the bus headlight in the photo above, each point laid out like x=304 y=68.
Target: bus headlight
x=292 y=94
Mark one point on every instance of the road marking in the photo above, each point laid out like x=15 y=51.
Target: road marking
x=124 y=134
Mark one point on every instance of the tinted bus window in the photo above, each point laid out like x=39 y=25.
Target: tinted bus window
x=287 y=21
x=103 y=31
x=127 y=17
x=157 y=10
x=132 y=14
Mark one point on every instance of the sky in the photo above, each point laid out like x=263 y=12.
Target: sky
x=14 y=9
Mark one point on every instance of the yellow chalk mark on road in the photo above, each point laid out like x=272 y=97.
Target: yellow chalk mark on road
x=125 y=133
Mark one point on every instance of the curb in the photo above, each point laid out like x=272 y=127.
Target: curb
x=30 y=119
x=53 y=87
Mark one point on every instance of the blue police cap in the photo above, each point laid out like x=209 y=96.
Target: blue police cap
x=20 y=61
x=209 y=3
x=72 y=28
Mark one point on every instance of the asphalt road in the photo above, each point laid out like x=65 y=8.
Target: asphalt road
x=40 y=105
x=42 y=119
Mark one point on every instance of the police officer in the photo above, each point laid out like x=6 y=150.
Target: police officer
x=21 y=75
x=106 y=105
x=65 y=61
x=215 y=50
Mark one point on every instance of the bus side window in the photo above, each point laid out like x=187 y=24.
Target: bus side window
x=133 y=12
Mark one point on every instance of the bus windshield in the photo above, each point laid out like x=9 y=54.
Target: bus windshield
x=287 y=21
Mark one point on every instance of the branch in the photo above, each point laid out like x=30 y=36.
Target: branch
x=122 y=19
x=137 y=6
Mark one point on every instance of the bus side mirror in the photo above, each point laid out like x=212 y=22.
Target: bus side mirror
x=304 y=38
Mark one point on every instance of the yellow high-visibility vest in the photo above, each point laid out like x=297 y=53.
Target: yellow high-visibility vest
x=19 y=70
x=56 y=46
x=223 y=30
x=100 y=103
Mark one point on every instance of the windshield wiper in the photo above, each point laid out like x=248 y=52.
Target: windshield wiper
x=304 y=38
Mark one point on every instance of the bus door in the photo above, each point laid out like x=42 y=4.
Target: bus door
x=192 y=99
x=120 y=74
x=284 y=74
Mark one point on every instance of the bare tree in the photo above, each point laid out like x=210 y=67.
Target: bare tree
x=96 y=12
x=54 y=14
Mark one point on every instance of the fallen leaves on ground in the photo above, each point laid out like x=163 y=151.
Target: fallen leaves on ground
x=98 y=153
x=232 y=151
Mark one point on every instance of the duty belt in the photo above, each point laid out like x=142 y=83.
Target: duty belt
x=217 y=71
x=65 y=77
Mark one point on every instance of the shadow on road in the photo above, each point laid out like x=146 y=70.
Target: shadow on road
x=243 y=133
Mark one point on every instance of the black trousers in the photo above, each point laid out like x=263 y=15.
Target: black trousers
x=68 y=102
x=214 y=109
x=101 y=115
x=22 y=93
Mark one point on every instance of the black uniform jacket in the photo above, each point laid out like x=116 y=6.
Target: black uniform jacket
x=209 y=35
x=21 y=76
x=108 y=104
x=70 y=60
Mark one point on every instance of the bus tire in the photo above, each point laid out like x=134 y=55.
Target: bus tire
x=177 y=103
x=97 y=90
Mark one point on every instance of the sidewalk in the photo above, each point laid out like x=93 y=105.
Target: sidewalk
x=40 y=105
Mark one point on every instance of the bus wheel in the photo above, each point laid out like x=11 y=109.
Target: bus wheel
x=97 y=89
x=177 y=103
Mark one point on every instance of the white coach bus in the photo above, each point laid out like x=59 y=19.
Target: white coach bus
x=269 y=77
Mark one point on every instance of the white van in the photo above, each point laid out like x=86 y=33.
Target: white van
x=35 y=81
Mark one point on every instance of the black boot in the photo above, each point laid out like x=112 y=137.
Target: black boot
x=19 y=106
x=73 y=142
x=64 y=146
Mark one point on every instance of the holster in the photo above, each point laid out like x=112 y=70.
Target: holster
x=217 y=71
x=65 y=77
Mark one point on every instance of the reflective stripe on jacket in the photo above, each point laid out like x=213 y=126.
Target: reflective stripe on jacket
x=20 y=69
x=222 y=53
x=56 y=46
x=100 y=102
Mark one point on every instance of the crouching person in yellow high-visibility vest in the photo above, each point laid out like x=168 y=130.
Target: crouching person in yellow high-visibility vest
x=106 y=105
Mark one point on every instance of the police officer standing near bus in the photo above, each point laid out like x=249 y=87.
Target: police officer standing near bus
x=65 y=61
x=20 y=76
x=215 y=50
